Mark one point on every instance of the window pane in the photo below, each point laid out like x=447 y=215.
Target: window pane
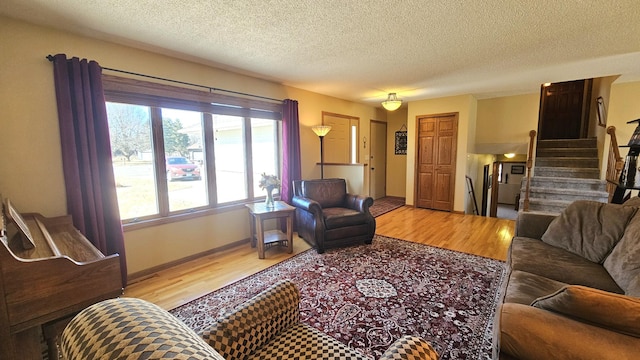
x=185 y=163
x=265 y=151
x=228 y=141
x=133 y=160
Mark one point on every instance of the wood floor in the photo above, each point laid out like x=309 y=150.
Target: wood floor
x=169 y=288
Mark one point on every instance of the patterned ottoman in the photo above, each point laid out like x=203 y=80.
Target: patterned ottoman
x=265 y=327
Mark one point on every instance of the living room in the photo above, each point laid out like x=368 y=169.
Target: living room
x=31 y=143
x=482 y=122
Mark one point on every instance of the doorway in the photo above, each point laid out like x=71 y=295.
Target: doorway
x=436 y=161
x=378 y=160
x=564 y=110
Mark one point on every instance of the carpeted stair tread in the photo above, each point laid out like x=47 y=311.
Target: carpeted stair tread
x=565 y=191
x=567 y=162
x=564 y=152
x=567 y=172
x=567 y=143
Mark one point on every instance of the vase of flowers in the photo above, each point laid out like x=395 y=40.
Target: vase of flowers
x=269 y=183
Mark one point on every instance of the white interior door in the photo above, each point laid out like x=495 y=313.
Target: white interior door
x=378 y=161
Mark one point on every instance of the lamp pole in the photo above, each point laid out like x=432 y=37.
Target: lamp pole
x=321 y=131
x=321 y=158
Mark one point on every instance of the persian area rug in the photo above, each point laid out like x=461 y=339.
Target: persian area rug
x=386 y=204
x=368 y=296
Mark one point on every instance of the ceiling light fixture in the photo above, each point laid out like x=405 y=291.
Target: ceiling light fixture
x=392 y=102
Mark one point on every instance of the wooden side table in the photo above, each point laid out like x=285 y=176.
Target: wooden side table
x=258 y=213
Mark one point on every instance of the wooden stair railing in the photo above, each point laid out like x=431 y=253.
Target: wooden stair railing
x=615 y=163
x=532 y=137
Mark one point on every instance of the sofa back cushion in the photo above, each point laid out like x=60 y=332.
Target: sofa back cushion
x=589 y=229
x=623 y=264
x=327 y=192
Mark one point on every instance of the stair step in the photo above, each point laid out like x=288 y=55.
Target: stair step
x=567 y=152
x=545 y=205
x=568 y=143
x=567 y=194
x=566 y=183
x=567 y=172
x=576 y=162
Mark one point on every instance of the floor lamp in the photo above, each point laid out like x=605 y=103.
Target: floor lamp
x=321 y=131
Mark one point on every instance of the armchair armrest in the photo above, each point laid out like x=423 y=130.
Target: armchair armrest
x=410 y=347
x=306 y=204
x=358 y=202
x=130 y=328
x=532 y=225
x=256 y=322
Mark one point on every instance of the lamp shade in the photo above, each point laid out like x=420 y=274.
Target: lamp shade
x=392 y=102
x=321 y=130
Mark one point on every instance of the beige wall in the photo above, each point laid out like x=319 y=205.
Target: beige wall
x=506 y=121
x=623 y=107
x=32 y=164
x=396 y=164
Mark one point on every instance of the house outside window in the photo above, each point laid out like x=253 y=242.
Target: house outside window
x=181 y=151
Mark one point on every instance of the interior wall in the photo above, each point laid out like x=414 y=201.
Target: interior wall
x=623 y=107
x=507 y=121
x=396 y=164
x=31 y=142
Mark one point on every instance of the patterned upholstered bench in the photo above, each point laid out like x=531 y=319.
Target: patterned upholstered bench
x=265 y=327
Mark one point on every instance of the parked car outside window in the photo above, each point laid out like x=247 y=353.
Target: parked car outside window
x=181 y=168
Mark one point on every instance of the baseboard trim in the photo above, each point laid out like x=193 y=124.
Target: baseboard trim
x=141 y=275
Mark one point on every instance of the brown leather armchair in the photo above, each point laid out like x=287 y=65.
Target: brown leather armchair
x=327 y=217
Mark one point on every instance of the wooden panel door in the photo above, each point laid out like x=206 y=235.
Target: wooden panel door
x=436 y=159
x=564 y=110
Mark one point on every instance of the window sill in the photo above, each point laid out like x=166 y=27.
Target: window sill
x=151 y=222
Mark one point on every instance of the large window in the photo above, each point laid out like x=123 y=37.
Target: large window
x=178 y=151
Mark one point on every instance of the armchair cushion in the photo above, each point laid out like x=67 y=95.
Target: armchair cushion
x=581 y=228
x=340 y=217
x=328 y=192
x=613 y=311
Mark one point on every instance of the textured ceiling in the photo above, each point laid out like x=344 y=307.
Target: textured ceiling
x=362 y=49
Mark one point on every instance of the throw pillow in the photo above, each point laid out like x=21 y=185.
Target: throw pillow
x=589 y=229
x=613 y=311
x=633 y=201
x=623 y=264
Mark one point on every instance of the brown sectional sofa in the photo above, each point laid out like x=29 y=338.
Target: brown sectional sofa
x=573 y=287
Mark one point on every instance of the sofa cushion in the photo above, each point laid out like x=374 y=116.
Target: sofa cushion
x=613 y=311
x=537 y=257
x=304 y=342
x=623 y=263
x=589 y=229
x=524 y=287
x=327 y=192
x=529 y=333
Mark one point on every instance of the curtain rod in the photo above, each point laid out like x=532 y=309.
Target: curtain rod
x=51 y=57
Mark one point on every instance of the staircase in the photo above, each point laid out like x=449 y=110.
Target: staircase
x=564 y=171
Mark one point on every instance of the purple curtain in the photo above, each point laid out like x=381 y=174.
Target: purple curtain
x=86 y=155
x=291 y=148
